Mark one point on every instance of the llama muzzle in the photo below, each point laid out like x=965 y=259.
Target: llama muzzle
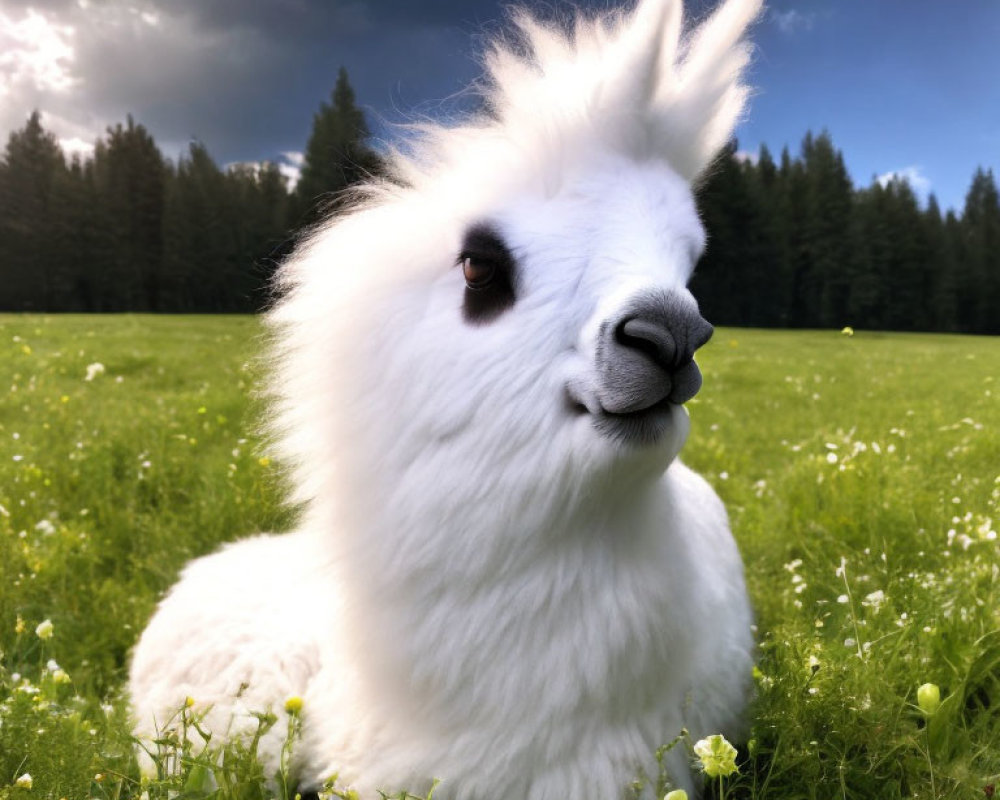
x=645 y=353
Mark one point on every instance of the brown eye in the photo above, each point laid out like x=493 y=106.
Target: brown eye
x=489 y=270
x=478 y=272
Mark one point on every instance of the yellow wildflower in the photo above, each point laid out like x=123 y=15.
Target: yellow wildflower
x=718 y=757
x=45 y=629
x=929 y=698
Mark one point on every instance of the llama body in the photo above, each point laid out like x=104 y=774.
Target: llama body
x=503 y=577
x=563 y=684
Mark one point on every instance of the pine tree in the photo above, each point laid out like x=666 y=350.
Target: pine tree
x=940 y=263
x=71 y=236
x=804 y=284
x=906 y=279
x=768 y=263
x=336 y=156
x=953 y=236
x=131 y=176
x=263 y=232
x=829 y=196
x=33 y=170
x=979 y=292
x=257 y=204
x=720 y=201
x=200 y=247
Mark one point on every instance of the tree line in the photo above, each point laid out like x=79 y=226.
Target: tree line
x=792 y=243
x=129 y=230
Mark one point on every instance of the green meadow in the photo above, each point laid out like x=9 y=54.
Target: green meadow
x=862 y=474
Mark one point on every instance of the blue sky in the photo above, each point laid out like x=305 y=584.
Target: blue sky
x=903 y=87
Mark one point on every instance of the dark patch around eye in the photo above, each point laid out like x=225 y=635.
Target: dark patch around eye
x=482 y=305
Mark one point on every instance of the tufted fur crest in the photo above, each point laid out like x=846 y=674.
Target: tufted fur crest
x=628 y=81
x=500 y=579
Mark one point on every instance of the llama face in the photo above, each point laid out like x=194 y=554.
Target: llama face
x=614 y=285
x=500 y=362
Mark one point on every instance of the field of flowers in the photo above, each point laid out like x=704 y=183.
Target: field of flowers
x=862 y=474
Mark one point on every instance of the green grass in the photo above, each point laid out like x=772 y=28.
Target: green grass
x=862 y=476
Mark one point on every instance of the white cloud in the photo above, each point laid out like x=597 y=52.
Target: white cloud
x=35 y=53
x=88 y=64
x=75 y=136
x=913 y=175
x=291 y=172
x=77 y=146
x=290 y=165
x=746 y=157
x=792 y=21
x=216 y=72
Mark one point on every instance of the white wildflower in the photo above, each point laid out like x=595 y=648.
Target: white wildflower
x=94 y=370
x=874 y=600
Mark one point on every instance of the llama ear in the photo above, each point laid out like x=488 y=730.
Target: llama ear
x=640 y=58
x=661 y=96
x=629 y=81
x=695 y=112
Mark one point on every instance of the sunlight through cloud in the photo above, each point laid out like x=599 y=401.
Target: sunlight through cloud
x=35 y=52
x=77 y=146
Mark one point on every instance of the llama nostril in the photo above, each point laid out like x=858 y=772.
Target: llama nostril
x=650 y=338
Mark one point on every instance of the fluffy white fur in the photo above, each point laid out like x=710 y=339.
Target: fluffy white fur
x=483 y=587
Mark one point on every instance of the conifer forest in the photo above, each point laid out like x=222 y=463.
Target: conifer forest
x=792 y=242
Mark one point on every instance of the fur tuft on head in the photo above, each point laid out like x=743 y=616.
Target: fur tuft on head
x=632 y=81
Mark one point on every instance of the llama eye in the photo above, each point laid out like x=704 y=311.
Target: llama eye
x=479 y=272
x=488 y=268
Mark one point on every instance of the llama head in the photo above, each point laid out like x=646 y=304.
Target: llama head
x=504 y=329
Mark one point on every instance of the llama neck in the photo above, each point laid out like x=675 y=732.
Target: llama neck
x=570 y=591
x=450 y=542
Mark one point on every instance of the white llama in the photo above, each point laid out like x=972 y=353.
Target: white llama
x=503 y=577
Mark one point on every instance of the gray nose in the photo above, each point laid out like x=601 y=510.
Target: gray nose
x=645 y=354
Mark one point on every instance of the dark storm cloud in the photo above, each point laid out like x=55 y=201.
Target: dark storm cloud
x=245 y=78
x=306 y=19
